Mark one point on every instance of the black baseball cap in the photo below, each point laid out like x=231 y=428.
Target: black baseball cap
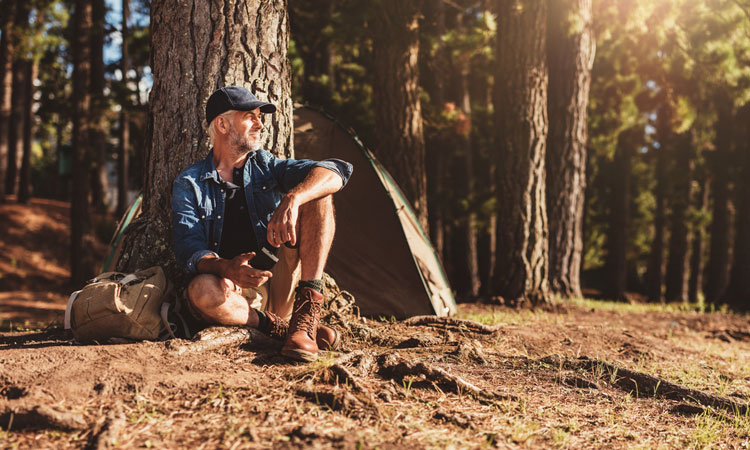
x=234 y=98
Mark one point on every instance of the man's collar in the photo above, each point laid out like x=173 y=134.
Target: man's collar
x=208 y=170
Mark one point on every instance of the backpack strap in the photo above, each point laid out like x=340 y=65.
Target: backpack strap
x=69 y=308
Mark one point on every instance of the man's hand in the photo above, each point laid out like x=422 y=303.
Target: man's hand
x=282 y=226
x=239 y=270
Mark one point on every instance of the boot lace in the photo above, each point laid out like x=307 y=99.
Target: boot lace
x=306 y=312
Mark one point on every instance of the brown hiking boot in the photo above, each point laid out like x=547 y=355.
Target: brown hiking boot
x=300 y=341
x=326 y=338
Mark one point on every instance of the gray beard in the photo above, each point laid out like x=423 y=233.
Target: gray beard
x=242 y=145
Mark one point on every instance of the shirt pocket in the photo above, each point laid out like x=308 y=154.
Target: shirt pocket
x=267 y=196
x=210 y=227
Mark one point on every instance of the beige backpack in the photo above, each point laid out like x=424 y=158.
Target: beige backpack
x=119 y=305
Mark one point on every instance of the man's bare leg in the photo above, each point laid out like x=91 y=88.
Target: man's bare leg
x=217 y=300
x=315 y=231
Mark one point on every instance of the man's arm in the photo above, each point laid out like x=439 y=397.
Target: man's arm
x=319 y=183
x=237 y=269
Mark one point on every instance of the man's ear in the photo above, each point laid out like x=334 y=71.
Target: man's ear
x=222 y=126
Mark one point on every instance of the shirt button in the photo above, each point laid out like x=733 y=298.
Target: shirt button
x=216 y=243
x=218 y=217
x=203 y=217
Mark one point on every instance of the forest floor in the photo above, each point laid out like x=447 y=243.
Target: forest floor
x=580 y=374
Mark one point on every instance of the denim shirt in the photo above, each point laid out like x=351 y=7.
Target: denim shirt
x=198 y=200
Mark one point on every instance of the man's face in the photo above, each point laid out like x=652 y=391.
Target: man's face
x=244 y=132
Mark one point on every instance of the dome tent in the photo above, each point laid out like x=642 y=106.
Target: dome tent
x=380 y=253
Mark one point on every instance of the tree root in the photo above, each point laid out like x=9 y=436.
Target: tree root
x=342 y=400
x=21 y=415
x=644 y=384
x=394 y=367
x=219 y=337
x=452 y=322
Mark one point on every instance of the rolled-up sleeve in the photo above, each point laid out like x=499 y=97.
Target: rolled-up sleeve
x=190 y=241
x=291 y=172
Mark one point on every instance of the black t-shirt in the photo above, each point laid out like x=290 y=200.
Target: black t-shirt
x=237 y=234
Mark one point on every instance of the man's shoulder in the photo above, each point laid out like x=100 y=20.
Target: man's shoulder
x=194 y=172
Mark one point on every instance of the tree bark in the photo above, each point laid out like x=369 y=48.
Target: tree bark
x=198 y=47
x=24 y=182
x=398 y=110
x=6 y=83
x=124 y=144
x=695 y=283
x=570 y=54
x=97 y=131
x=720 y=161
x=15 y=122
x=678 y=261
x=81 y=267
x=521 y=118
x=619 y=215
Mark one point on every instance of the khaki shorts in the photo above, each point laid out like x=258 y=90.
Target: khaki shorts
x=277 y=294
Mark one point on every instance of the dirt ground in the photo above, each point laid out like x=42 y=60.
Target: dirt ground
x=581 y=374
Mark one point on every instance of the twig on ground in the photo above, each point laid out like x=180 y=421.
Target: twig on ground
x=218 y=337
x=645 y=384
x=452 y=322
x=21 y=415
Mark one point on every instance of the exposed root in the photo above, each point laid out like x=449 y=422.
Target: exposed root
x=219 y=337
x=18 y=416
x=340 y=399
x=459 y=420
x=644 y=384
x=394 y=367
x=107 y=434
x=452 y=322
x=343 y=375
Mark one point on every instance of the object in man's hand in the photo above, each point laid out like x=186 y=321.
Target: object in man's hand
x=265 y=259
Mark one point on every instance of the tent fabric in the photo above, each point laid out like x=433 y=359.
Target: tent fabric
x=380 y=253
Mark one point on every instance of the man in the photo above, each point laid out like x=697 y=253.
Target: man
x=250 y=227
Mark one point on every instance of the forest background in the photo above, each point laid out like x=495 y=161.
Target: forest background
x=550 y=148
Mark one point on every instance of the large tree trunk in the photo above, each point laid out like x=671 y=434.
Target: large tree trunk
x=198 y=47
x=695 y=283
x=678 y=262
x=98 y=131
x=81 y=267
x=619 y=216
x=738 y=292
x=15 y=123
x=720 y=161
x=570 y=54
x=398 y=111
x=24 y=183
x=124 y=144
x=521 y=117
x=6 y=82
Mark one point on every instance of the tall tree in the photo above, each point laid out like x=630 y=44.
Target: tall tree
x=521 y=119
x=678 y=261
x=398 y=109
x=81 y=266
x=15 y=122
x=698 y=246
x=6 y=82
x=242 y=42
x=738 y=291
x=24 y=180
x=619 y=214
x=122 y=148
x=98 y=125
x=720 y=163
x=570 y=55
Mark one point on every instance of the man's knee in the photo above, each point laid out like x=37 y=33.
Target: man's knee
x=318 y=207
x=206 y=292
